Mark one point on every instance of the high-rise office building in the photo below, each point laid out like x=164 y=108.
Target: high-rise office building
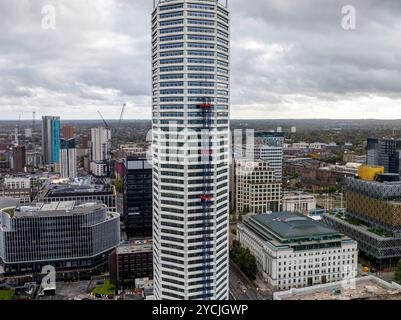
x=190 y=73
x=138 y=197
x=100 y=151
x=274 y=139
x=101 y=139
x=257 y=190
x=384 y=152
x=67 y=131
x=267 y=146
x=19 y=158
x=51 y=139
x=68 y=158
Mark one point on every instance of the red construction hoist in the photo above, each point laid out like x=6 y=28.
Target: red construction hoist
x=206 y=197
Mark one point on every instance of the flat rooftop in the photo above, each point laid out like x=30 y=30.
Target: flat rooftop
x=363 y=288
x=135 y=246
x=288 y=225
x=66 y=189
x=53 y=209
x=297 y=194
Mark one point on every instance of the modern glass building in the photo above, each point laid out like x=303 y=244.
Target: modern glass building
x=190 y=73
x=68 y=236
x=138 y=197
x=51 y=139
x=384 y=152
x=68 y=158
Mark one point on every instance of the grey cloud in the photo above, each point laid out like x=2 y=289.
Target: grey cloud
x=286 y=56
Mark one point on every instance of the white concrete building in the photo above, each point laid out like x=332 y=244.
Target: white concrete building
x=68 y=159
x=274 y=155
x=100 y=143
x=17 y=182
x=190 y=74
x=298 y=202
x=318 y=145
x=99 y=168
x=300 y=145
x=257 y=190
x=295 y=251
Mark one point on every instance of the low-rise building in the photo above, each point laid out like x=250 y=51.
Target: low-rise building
x=132 y=263
x=362 y=288
x=15 y=182
x=299 y=202
x=82 y=191
x=18 y=187
x=295 y=251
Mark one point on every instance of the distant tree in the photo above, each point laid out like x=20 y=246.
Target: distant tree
x=119 y=185
x=331 y=189
x=244 y=259
x=397 y=274
x=299 y=185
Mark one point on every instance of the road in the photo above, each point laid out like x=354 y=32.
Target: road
x=241 y=288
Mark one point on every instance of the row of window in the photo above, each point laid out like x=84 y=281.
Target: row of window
x=200 y=37
x=192 y=53
x=194 y=91
x=191 y=99
x=202 y=30
x=193 y=60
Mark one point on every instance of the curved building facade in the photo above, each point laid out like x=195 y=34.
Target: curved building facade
x=61 y=234
x=190 y=73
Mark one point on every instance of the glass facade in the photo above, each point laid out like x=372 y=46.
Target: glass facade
x=75 y=236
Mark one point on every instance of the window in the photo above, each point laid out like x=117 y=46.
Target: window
x=201 y=53
x=201 y=22
x=171 y=53
x=200 y=14
x=202 y=30
x=200 y=45
x=200 y=60
x=171 y=30
x=171 y=15
x=172 y=45
x=171 y=7
x=200 y=37
x=200 y=6
x=168 y=61
x=172 y=38
x=171 y=22
x=173 y=68
x=201 y=68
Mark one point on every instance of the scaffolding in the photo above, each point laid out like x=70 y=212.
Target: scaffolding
x=206 y=197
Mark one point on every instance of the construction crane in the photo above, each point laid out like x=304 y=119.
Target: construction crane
x=122 y=114
x=17 y=129
x=104 y=121
x=33 y=120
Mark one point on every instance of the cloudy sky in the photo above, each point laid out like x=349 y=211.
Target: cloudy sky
x=290 y=59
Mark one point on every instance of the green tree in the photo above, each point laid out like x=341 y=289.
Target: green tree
x=244 y=259
x=331 y=189
x=397 y=274
x=119 y=185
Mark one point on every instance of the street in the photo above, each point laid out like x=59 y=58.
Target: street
x=242 y=289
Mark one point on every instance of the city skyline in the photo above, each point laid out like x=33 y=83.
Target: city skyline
x=279 y=71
